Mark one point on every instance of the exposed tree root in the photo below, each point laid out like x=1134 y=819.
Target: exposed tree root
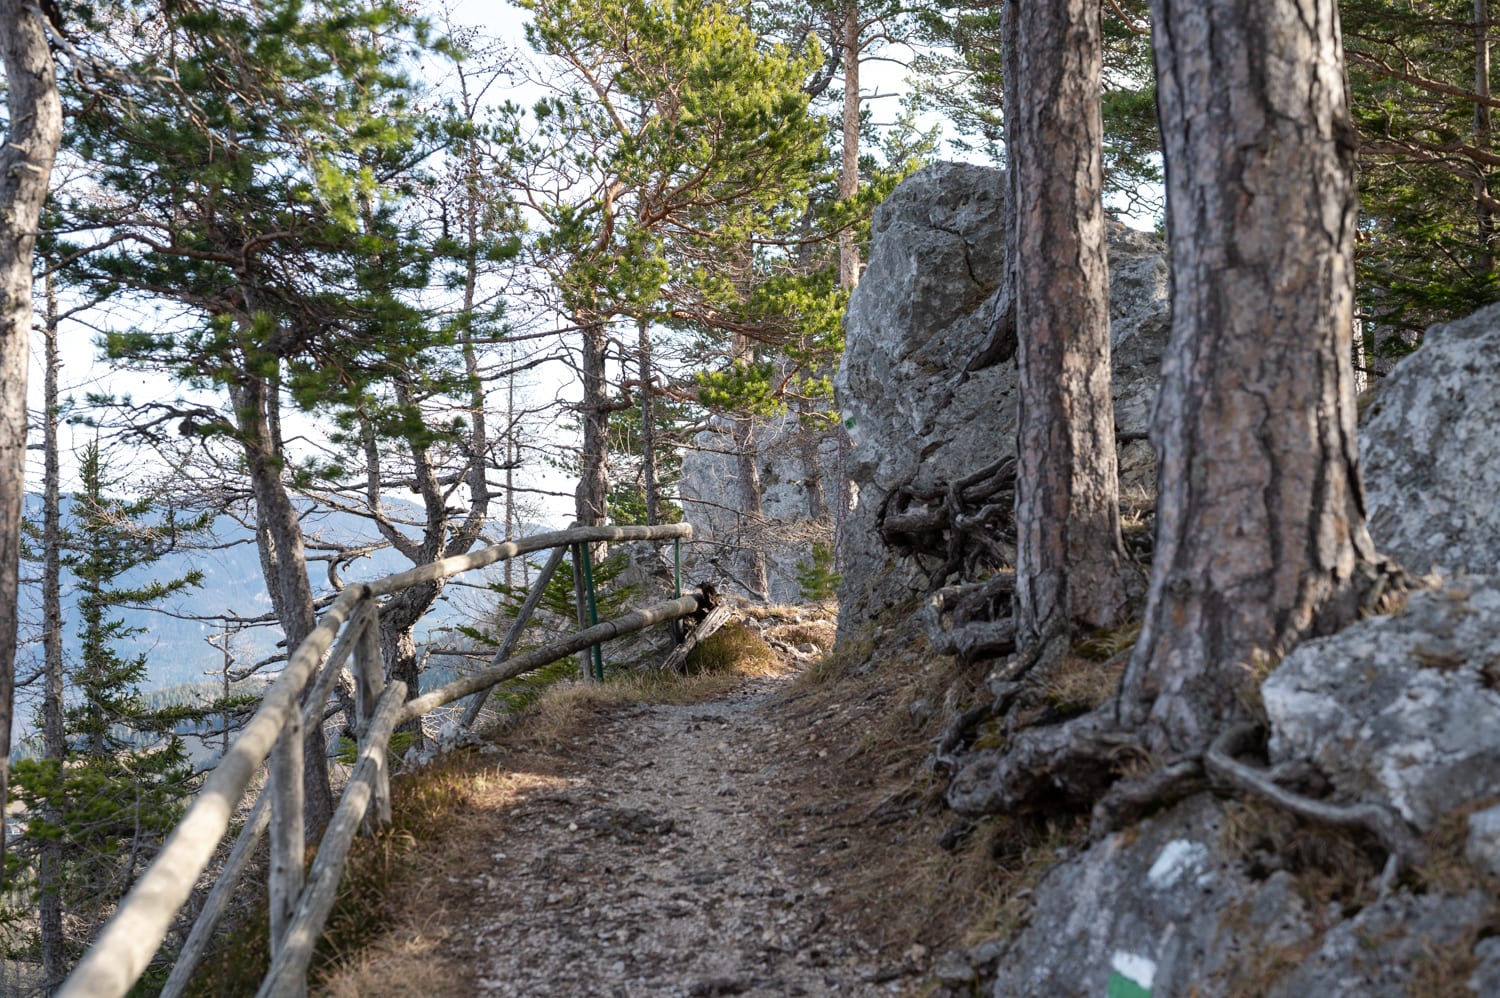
x=1405 y=849
x=972 y=622
x=1128 y=801
x=967 y=523
x=1069 y=764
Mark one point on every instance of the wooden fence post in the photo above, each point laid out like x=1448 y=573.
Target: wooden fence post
x=288 y=845
x=369 y=681
x=581 y=597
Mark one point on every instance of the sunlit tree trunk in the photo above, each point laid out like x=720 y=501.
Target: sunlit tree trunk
x=1260 y=534
x=27 y=149
x=1068 y=550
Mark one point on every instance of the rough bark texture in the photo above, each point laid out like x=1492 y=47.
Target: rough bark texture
x=1068 y=550
x=1260 y=517
x=849 y=165
x=27 y=150
x=54 y=737
x=592 y=497
x=752 y=517
x=648 y=429
x=280 y=533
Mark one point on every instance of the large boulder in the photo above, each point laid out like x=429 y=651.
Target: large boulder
x=1431 y=451
x=921 y=313
x=1404 y=707
x=1188 y=902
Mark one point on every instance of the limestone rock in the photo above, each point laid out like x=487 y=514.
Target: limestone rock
x=1483 y=846
x=1430 y=453
x=1163 y=908
x=1404 y=707
x=1407 y=930
x=710 y=496
x=920 y=314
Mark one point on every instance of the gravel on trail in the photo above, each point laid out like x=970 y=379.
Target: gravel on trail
x=673 y=852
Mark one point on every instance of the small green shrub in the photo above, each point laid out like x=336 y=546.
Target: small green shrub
x=816 y=577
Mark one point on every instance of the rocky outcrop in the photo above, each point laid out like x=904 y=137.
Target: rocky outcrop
x=785 y=532
x=919 y=317
x=1405 y=707
x=1431 y=453
x=1228 y=896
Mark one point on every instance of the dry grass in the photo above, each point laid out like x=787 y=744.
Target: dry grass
x=1328 y=864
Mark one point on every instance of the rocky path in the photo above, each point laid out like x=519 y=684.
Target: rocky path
x=675 y=851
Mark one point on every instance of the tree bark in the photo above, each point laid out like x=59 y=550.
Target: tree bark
x=648 y=429
x=1483 y=135
x=849 y=165
x=54 y=737
x=1068 y=551
x=752 y=516
x=282 y=553
x=592 y=497
x=1261 y=517
x=27 y=150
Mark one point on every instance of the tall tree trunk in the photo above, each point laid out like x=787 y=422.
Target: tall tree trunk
x=1483 y=134
x=648 y=429
x=1068 y=547
x=1260 y=534
x=752 y=539
x=27 y=150
x=808 y=439
x=849 y=165
x=282 y=552
x=54 y=738
x=592 y=497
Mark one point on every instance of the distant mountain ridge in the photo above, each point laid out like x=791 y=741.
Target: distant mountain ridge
x=175 y=637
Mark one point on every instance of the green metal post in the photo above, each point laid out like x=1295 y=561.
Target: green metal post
x=588 y=580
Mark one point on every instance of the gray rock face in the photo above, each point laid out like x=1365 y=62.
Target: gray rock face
x=1168 y=908
x=1431 y=455
x=711 y=500
x=1404 y=707
x=921 y=312
x=1163 y=908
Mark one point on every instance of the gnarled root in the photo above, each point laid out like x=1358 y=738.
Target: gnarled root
x=1405 y=849
x=1069 y=763
x=967 y=523
x=972 y=622
x=1131 y=800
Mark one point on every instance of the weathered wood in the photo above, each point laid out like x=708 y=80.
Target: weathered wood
x=129 y=940
x=288 y=828
x=536 y=542
x=604 y=631
x=717 y=618
x=218 y=898
x=368 y=685
x=580 y=601
x=369 y=674
x=533 y=599
x=288 y=975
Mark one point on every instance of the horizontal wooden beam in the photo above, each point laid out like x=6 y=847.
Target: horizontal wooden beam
x=449 y=567
x=603 y=631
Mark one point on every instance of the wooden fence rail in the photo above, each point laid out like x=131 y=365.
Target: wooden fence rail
x=301 y=899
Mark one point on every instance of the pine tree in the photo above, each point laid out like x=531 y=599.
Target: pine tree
x=104 y=806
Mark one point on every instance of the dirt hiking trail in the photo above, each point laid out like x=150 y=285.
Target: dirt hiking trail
x=666 y=850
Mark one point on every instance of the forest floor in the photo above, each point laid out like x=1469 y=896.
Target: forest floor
x=774 y=838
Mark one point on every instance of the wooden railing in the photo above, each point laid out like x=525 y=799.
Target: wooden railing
x=299 y=905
